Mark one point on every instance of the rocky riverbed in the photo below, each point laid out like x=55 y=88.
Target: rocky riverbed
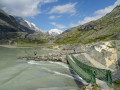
x=53 y=57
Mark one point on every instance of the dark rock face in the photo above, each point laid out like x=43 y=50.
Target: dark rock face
x=10 y=37
x=117 y=36
x=13 y=35
x=90 y=26
x=5 y=29
x=119 y=62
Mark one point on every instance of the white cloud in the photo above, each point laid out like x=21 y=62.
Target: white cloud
x=54 y=17
x=67 y=8
x=48 y=1
x=108 y=9
x=97 y=14
x=58 y=25
x=51 y=17
x=23 y=7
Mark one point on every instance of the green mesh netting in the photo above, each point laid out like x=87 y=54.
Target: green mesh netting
x=101 y=74
x=89 y=77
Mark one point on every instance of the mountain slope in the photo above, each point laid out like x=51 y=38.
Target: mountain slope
x=27 y=24
x=9 y=23
x=105 y=28
x=18 y=29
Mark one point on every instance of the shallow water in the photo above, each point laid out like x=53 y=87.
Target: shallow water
x=34 y=75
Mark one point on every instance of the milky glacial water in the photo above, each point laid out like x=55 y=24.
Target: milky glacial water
x=34 y=75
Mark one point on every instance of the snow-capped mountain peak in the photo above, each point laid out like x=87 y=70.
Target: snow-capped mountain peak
x=32 y=26
x=55 y=32
x=29 y=24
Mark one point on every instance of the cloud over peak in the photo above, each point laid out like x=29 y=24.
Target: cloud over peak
x=58 y=25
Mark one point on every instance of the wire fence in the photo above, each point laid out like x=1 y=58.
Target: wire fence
x=90 y=78
x=89 y=73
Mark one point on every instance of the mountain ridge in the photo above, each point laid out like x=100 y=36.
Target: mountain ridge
x=10 y=24
x=14 y=29
x=105 y=28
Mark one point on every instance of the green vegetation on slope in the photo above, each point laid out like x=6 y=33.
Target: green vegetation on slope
x=116 y=83
x=105 y=28
x=84 y=37
x=32 y=42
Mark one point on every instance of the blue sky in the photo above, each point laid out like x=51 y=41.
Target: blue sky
x=58 y=14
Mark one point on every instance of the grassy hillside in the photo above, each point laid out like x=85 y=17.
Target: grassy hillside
x=105 y=28
x=32 y=42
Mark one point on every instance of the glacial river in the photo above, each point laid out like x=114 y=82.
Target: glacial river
x=34 y=75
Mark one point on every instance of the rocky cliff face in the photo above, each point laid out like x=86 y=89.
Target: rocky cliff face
x=105 y=53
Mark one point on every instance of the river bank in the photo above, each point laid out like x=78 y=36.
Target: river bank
x=58 y=54
x=34 y=75
x=13 y=46
x=53 y=57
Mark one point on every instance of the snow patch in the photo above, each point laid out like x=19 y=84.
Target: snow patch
x=32 y=26
x=55 y=32
x=29 y=24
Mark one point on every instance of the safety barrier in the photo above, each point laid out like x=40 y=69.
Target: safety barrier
x=89 y=77
x=101 y=74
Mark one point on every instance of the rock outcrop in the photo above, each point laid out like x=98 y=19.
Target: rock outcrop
x=104 y=52
x=105 y=55
x=54 y=58
x=90 y=26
